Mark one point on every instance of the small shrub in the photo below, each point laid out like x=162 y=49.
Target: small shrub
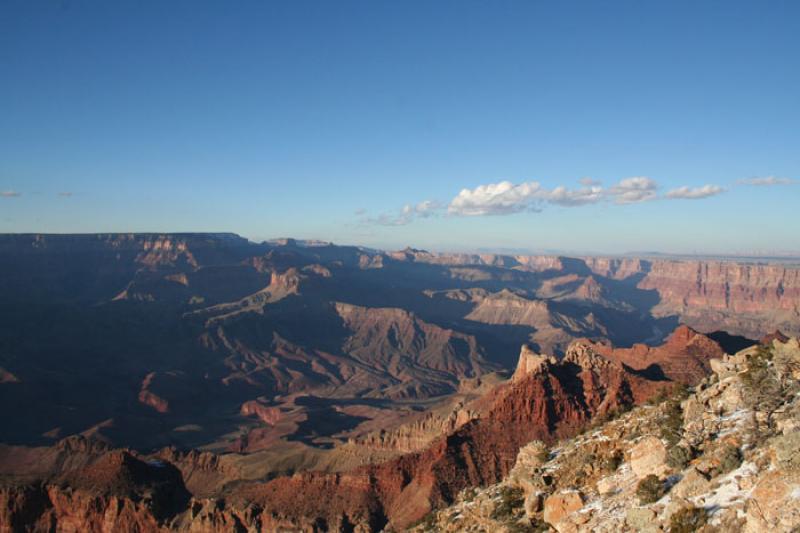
x=680 y=392
x=610 y=463
x=511 y=502
x=543 y=455
x=671 y=422
x=658 y=398
x=687 y=520
x=729 y=459
x=768 y=383
x=650 y=489
x=678 y=457
x=608 y=416
x=469 y=494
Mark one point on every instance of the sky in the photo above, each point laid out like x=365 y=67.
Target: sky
x=603 y=127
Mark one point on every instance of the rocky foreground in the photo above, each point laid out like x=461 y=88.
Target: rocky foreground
x=720 y=457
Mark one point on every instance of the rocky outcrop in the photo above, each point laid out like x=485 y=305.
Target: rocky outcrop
x=149 y=398
x=402 y=344
x=558 y=507
x=649 y=457
x=716 y=460
x=267 y=414
x=684 y=357
x=531 y=363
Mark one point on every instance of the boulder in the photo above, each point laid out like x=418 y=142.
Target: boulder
x=723 y=368
x=649 y=456
x=642 y=519
x=533 y=503
x=607 y=485
x=692 y=484
x=787 y=451
x=773 y=505
x=559 y=506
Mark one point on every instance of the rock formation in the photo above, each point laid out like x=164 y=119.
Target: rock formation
x=714 y=460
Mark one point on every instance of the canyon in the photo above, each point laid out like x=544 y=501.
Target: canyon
x=202 y=381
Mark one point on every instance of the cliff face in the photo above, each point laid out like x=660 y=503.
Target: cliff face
x=738 y=298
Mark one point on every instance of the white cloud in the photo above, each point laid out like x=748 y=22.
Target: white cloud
x=506 y=198
x=503 y=198
x=9 y=194
x=574 y=197
x=407 y=214
x=588 y=182
x=426 y=208
x=634 y=190
x=687 y=193
x=766 y=181
x=65 y=194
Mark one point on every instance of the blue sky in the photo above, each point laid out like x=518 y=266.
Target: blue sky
x=325 y=119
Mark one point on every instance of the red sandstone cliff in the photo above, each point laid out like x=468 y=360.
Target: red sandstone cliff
x=745 y=299
x=683 y=358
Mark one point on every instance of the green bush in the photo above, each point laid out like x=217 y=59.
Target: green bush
x=678 y=457
x=511 y=503
x=766 y=387
x=730 y=458
x=671 y=422
x=650 y=489
x=543 y=455
x=469 y=494
x=610 y=463
x=687 y=520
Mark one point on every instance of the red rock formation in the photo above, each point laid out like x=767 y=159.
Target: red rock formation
x=739 y=298
x=151 y=399
x=7 y=377
x=776 y=335
x=615 y=268
x=398 y=342
x=552 y=400
x=268 y=415
x=684 y=357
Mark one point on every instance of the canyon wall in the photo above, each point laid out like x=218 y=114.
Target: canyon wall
x=745 y=299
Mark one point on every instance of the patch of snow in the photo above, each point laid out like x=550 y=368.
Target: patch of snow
x=728 y=491
x=736 y=415
x=595 y=505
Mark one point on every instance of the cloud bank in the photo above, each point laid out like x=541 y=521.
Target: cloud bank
x=687 y=193
x=9 y=194
x=507 y=198
x=406 y=215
